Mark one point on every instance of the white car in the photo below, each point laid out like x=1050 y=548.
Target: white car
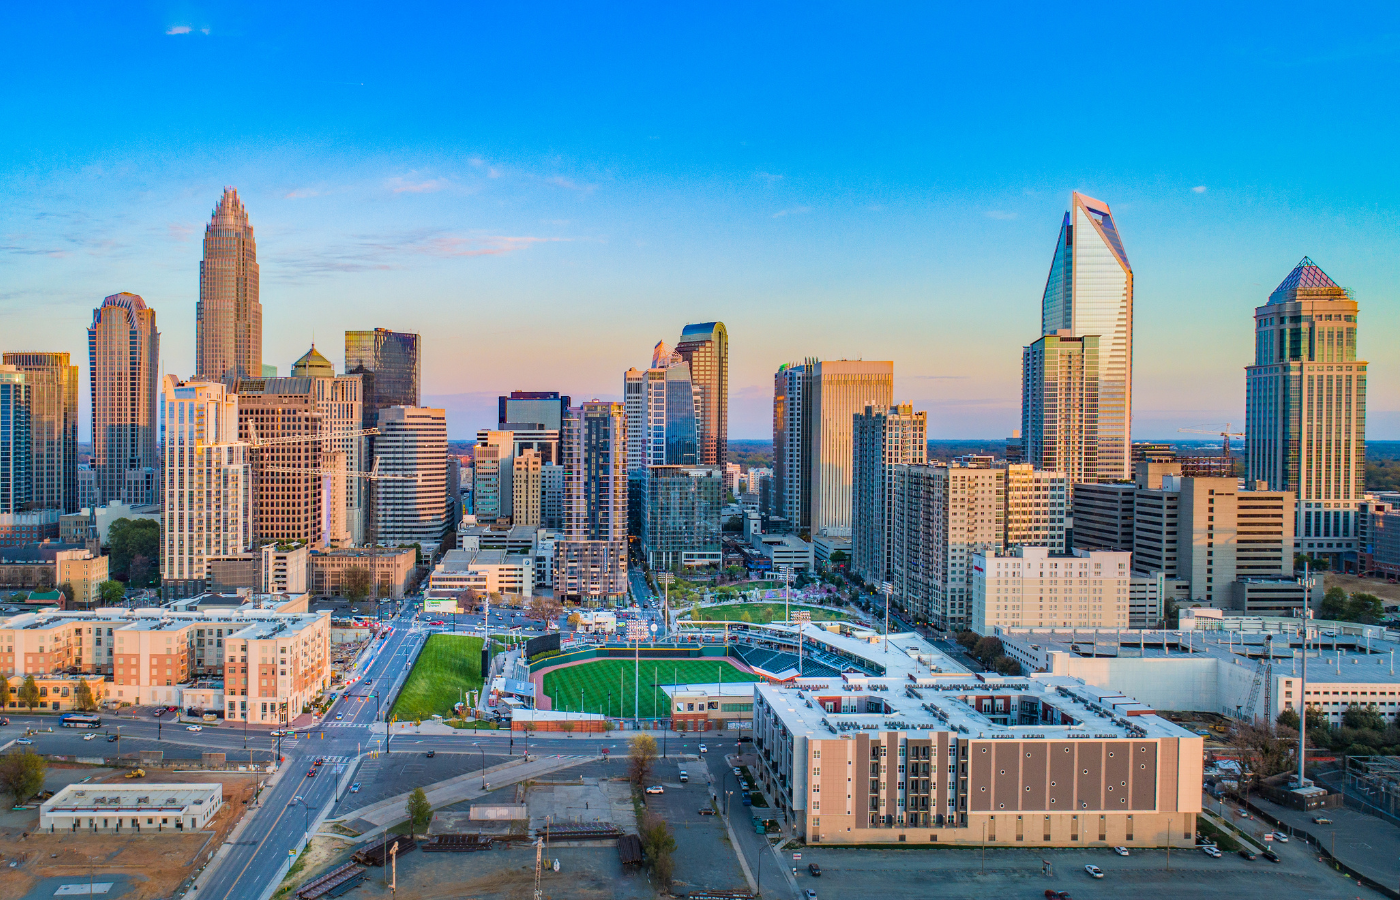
x=1094 y=871
x=1280 y=837
x=703 y=748
x=656 y=789
x=194 y=727
x=1121 y=851
x=23 y=741
x=1211 y=850
x=88 y=737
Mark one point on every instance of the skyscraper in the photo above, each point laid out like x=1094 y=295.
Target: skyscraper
x=53 y=385
x=389 y=362
x=228 y=318
x=16 y=457
x=835 y=392
x=1060 y=406
x=280 y=421
x=340 y=401
x=661 y=420
x=681 y=517
x=542 y=410
x=1090 y=292
x=590 y=562
x=410 y=455
x=705 y=347
x=791 y=440
x=123 y=373
x=884 y=438
x=1306 y=407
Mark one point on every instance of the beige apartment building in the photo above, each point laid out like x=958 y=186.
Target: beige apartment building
x=836 y=392
x=84 y=571
x=527 y=489
x=152 y=657
x=275 y=667
x=1033 y=587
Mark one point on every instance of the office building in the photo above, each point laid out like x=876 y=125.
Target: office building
x=208 y=502
x=1037 y=508
x=792 y=499
x=661 y=406
x=1103 y=516
x=542 y=410
x=590 y=562
x=836 y=391
x=1305 y=409
x=411 y=505
x=340 y=402
x=123 y=372
x=1089 y=292
x=484 y=571
x=527 y=490
x=16 y=455
x=1032 y=587
x=1060 y=406
x=552 y=496
x=492 y=463
x=228 y=318
x=389 y=362
x=705 y=348
x=388 y=568
x=180 y=808
x=883 y=438
x=280 y=421
x=680 y=521
x=53 y=425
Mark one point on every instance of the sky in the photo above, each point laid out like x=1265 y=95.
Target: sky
x=543 y=191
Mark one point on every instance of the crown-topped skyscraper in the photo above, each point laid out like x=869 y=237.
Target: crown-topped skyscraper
x=228 y=319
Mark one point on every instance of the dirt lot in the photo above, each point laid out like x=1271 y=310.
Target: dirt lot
x=155 y=863
x=1389 y=593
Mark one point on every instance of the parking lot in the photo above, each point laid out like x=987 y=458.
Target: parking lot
x=704 y=857
x=403 y=770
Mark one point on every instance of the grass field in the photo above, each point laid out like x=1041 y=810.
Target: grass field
x=449 y=665
x=600 y=678
x=760 y=613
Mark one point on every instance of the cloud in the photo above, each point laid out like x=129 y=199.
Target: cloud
x=384 y=252
x=403 y=186
x=179 y=231
x=494 y=245
x=1000 y=215
x=795 y=211
x=183 y=29
x=768 y=177
x=1199 y=189
x=569 y=184
x=491 y=171
x=932 y=377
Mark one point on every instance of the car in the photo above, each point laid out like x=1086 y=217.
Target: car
x=160 y=712
x=112 y=738
x=1270 y=855
x=355 y=788
x=5 y=720
x=706 y=811
x=1211 y=850
x=1056 y=895
x=1321 y=820
x=311 y=773
x=1247 y=853
x=1121 y=851
x=171 y=709
x=276 y=733
x=88 y=737
x=1094 y=871
x=194 y=727
x=814 y=870
x=656 y=789
x=809 y=894
x=704 y=749
x=320 y=761
x=339 y=716
x=1280 y=837
x=738 y=773
x=23 y=741
x=431 y=754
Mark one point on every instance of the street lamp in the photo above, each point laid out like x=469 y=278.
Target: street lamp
x=477 y=744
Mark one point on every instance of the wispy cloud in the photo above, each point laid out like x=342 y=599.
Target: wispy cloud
x=768 y=177
x=383 y=252
x=932 y=377
x=491 y=171
x=794 y=211
x=179 y=231
x=181 y=29
x=1199 y=189
x=301 y=194
x=405 y=186
x=569 y=184
x=1001 y=215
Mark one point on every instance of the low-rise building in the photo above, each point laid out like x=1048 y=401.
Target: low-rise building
x=147 y=808
x=389 y=567
x=487 y=571
x=58 y=692
x=82 y=570
x=710 y=707
x=785 y=551
x=285 y=569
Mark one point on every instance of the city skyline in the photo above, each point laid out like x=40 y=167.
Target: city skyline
x=644 y=220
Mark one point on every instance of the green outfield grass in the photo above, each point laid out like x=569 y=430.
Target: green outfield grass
x=449 y=665
x=760 y=613
x=599 y=678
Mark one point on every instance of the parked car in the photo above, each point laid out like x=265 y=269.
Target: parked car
x=431 y=754
x=1121 y=851
x=1247 y=853
x=1270 y=855
x=656 y=789
x=738 y=773
x=1280 y=837
x=814 y=870
x=1211 y=850
x=1094 y=871
x=706 y=811
x=111 y=738
x=810 y=894
x=23 y=741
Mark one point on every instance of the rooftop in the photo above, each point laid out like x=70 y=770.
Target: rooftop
x=113 y=798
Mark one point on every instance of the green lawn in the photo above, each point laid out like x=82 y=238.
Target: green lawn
x=600 y=678
x=449 y=665
x=760 y=613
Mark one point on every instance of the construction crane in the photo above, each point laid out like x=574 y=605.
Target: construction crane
x=539 y=854
x=1263 y=677
x=1224 y=435
x=372 y=475
x=306 y=438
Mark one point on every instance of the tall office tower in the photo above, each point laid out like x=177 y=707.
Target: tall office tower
x=208 y=504
x=53 y=385
x=661 y=412
x=792 y=499
x=542 y=410
x=552 y=496
x=1305 y=408
x=1060 y=406
x=16 y=454
x=340 y=401
x=1090 y=292
x=527 y=490
x=1103 y=516
x=590 y=561
x=123 y=372
x=228 y=318
x=389 y=362
x=836 y=391
x=1037 y=508
x=279 y=420
x=411 y=505
x=680 y=519
x=705 y=347
x=884 y=438
x=492 y=460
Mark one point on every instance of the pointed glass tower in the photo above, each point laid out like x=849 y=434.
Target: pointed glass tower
x=228 y=318
x=1090 y=293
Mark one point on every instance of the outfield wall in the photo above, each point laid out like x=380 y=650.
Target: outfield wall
x=619 y=651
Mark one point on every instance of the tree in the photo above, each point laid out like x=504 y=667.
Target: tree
x=111 y=593
x=987 y=649
x=66 y=589
x=129 y=538
x=1005 y=665
x=545 y=608
x=967 y=639
x=82 y=696
x=1334 y=604
x=29 y=693
x=1365 y=608
x=356 y=583
x=45 y=580
x=641 y=757
x=659 y=844
x=5 y=694
x=22 y=775
x=566 y=726
x=140 y=571
x=1363 y=717
x=574 y=620
x=420 y=812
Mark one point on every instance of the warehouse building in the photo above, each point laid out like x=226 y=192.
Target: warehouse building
x=131 y=808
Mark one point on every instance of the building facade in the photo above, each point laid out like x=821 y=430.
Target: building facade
x=340 y=401
x=53 y=422
x=705 y=349
x=123 y=373
x=389 y=569
x=1060 y=406
x=280 y=421
x=590 y=563
x=411 y=503
x=1034 y=588
x=228 y=318
x=1103 y=516
x=680 y=521
x=792 y=481
x=527 y=489
x=835 y=392
x=883 y=439
x=16 y=433
x=389 y=362
x=1305 y=409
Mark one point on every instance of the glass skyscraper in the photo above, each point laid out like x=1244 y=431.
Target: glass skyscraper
x=228 y=317
x=123 y=371
x=1090 y=292
x=705 y=347
x=389 y=360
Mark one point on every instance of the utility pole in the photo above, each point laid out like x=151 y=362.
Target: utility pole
x=888 y=590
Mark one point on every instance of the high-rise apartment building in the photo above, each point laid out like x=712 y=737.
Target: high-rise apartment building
x=493 y=458
x=1103 y=516
x=792 y=499
x=278 y=418
x=552 y=496
x=16 y=457
x=340 y=402
x=228 y=318
x=1037 y=508
x=883 y=439
x=1090 y=292
x=1305 y=408
x=1031 y=587
x=389 y=362
x=1060 y=406
x=705 y=347
x=410 y=455
x=208 y=503
x=590 y=562
x=123 y=371
x=680 y=519
x=835 y=392
x=527 y=490
x=661 y=412
x=53 y=421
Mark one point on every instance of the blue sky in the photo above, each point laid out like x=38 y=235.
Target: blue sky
x=546 y=191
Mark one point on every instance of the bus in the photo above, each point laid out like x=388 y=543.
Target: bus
x=81 y=720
